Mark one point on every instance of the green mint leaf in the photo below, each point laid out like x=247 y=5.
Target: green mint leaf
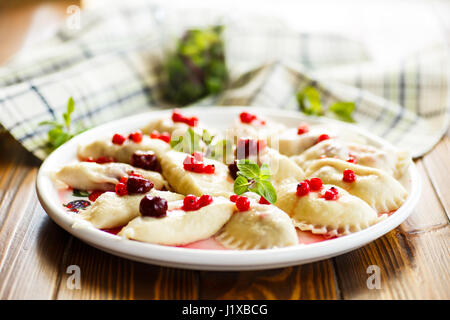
x=248 y=169
x=267 y=191
x=309 y=101
x=207 y=137
x=342 y=111
x=70 y=106
x=240 y=185
x=80 y=193
x=264 y=172
x=50 y=123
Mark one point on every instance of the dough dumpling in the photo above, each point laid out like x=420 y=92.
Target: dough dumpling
x=392 y=161
x=181 y=227
x=313 y=213
x=122 y=153
x=262 y=227
x=380 y=190
x=94 y=176
x=112 y=211
x=185 y=182
x=281 y=167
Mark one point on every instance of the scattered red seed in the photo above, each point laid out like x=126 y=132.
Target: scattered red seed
x=193 y=163
x=243 y=203
x=205 y=200
x=247 y=117
x=323 y=137
x=121 y=189
x=190 y=203
x=178 y=117
x=303 y=128
x=331 y=194
x=165 y=136
x=233 y=197
x=263 y=200
x=136 y=136
x=315 y=184
x=349 y=176
x=118 y=139
x=303 y=189
x=352 y=159
x=95 y=194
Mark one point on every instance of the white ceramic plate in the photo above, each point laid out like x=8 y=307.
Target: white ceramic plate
x=218 y=118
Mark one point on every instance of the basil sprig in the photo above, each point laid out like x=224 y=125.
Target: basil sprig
x=253 y=178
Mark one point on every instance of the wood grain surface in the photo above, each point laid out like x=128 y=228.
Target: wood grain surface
x=35 y=253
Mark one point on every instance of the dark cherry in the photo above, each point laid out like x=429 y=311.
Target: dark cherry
x=138 y=185
x=153 y=207
x=145 y=160
x=233 y=169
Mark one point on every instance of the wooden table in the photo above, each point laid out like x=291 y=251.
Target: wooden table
x=35 y=253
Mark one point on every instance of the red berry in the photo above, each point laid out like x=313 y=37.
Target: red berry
x=205 y=200
x=323 y=137
x=190 y=203
x=153 y=207
x=123 y=179
x=331 y=194
x=247 y=117
x=136 y=136
x=302 y=189
x=145 y=160
x=303 y=128
x=104 y=159
x=352 y=159
x=192 y=121
x=154 y=134
x=177 y=116
x=164 y=137
x=198 y=156
x=234 y=197
x=349 y=176
x=243 y=203
x=315 y=184
x=198 y=167
x=263 y=200
x=209 y=169
x=95 y=194
x=134 y=174
x=121 y=189
x=118 y=139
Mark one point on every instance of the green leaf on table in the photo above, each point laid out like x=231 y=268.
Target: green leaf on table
x=343 y=111
x=309 y=101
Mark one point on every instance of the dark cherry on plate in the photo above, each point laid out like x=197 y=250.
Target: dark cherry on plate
x=145 y=160
x=138 y=185
x=153 y=206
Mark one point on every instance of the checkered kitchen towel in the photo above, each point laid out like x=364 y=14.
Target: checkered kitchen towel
x=109 y=66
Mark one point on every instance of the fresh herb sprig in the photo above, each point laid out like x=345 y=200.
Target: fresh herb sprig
x=253 y=178
x=310 y=102
x=61 y=132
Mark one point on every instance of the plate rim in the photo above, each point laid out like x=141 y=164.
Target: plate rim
x=220 y=260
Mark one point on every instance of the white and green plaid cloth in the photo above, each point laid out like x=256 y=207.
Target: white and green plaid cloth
x=110 y=65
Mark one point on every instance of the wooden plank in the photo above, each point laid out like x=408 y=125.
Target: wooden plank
x=437 y=164
x=310 y=281
x=413 y=259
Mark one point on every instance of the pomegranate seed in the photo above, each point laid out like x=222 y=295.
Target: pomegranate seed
x=263 y=200
x=209 y=169
x=164 y=137
x=331 y=194
x=95 y=194
x=138 y=185
x=136 y=136
x=302 y=189
x=349 y=176
x=233 y=197
x=177 y=116
x=118 y=139
x=190 y=203
x=323 y=137
x=205 y=200
x=192 y=121
x=153 y=207
x=243 y=203
x=247 y=117
x=121 y=189
x=315 y=184
x=303 y=128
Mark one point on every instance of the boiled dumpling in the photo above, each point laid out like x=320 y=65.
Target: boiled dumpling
x=380 y=190
x=261 y=227
x=186 y=182
x=281 y=167
x=121 y=153
x=314 y=213
x=94 y=176
x=181 y=227
x=111 y=210
x=392 y=161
